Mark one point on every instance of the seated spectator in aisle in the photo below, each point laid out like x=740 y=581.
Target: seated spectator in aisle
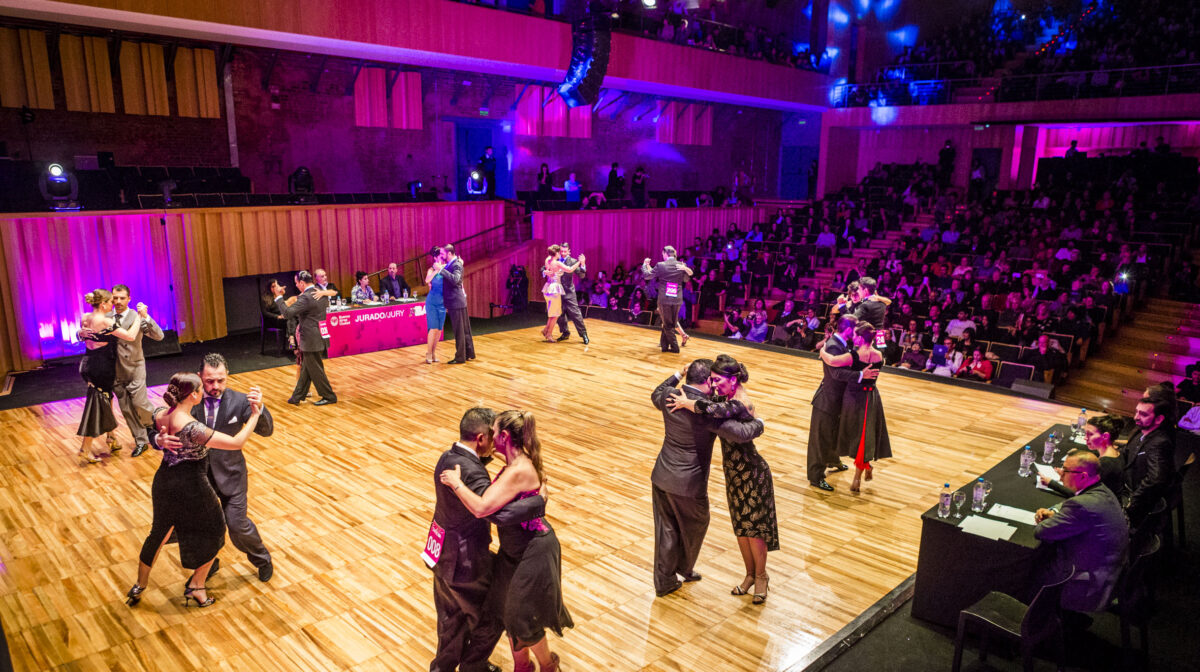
x=933 y=336
x=1047 y=359
x=892 y=352
x=914 y=358
x=1090 y=533
x=945 y=360
x=1149 y=457
x=757 y=327
x=788 y=313
x=635 y=310
x=735 y=327
x=978 y=368
x=599 y=294
x=967 y=343
x=955 y=327
x=1189 y=388
x=712 y=290
x=362 y=291
x=826 y=246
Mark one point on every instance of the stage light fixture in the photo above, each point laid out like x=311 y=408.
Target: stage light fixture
x=414 y=188
x=475 y=175
x=650 y=4
x=168 y=187
x=59 y=188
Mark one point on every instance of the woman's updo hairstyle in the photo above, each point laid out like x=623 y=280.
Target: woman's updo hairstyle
x=730 y=368
x=97 y=297
x=181 y=385
x=553 y=250
x=865 y=331
x=523 y=430
x=1108 y=424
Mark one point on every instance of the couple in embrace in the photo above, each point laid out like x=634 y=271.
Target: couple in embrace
x=847 y=417
x=711 y=403
x=478 y=594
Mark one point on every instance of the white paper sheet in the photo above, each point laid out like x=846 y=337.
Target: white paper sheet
x=988 y=529
x=1012 y=513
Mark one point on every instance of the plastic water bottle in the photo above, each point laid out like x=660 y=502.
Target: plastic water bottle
x=385 y=297
x=1026 y=461
x=977 y=496
x=406 y=292
x=1080 y=422
x=1048 y=449
x=944 y=502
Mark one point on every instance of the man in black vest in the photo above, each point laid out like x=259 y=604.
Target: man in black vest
x=462 y=571
x=308 y=309
x=679 y=482
x=671 y=275
x=570 y=301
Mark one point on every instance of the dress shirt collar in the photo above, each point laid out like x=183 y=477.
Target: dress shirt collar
x=468 y=451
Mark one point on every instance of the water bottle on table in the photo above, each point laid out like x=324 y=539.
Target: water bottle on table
x=1026 y=461
x=1048 y=449
x=977 y=495
x=944 y=502
x=386 y=297
x=1080 y=423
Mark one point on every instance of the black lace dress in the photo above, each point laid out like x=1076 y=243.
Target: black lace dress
x=748 y=483
x=528 y=580
x=862 y=429
x=99 y=370
x=184 y=499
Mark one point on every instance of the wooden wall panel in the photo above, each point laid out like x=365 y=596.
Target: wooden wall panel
x=87 y=78
x=208 y=90
x=407 y=106
x=133 y=89
x=25 y=69
x=144 y=79
x=370 y=98
x=187 y=103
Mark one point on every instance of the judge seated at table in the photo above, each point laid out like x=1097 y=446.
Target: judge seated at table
x=1090 y=532
x=362 y=291
x=392 y=283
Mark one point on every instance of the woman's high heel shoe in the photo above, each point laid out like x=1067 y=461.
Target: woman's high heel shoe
x=744 y=587
x=134 y=595
x=113 y=444
x=870 y=472
x=188 y=597
x=553 y=666
x=89 y=457
x=761 y=598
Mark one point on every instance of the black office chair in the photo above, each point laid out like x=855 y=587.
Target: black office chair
x=1132 y=599
x=1009 y=617
x=1175 y=506
x=268 y=323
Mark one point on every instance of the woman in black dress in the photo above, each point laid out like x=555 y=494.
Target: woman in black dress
x=748 y=484
x=99 y=370
x=528 y=570
x=862 y=432
x=184 y=499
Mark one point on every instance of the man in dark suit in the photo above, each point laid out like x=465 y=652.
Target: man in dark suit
x=1090 y=532
x=227 y=410
x=827 y=405
x=392 y=282
x=309 y=309
x=455 y=299
x=670 y=275
x=870 y=308
x=679 y=481
x=322 y=283
x=462 y=572
x=1149 y=458
x=570 y=307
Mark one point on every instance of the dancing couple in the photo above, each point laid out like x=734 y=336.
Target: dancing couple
x=715 y=397
x=478 y=594
x=559 y=263
x=847 y=418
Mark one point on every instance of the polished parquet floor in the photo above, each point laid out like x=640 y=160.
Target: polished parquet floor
x=343 y=495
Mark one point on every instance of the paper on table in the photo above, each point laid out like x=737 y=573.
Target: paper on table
x=988 y=529
x=1012 y=513
x=1047 y=471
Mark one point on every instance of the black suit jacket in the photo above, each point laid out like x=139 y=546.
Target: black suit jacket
x=568 y=279
x=1091 y=533
x=393 y=286
x=227 y=466
x=453 y=294
x=1149 y=469
x=828 y=397
x=683 y=463
x=874 y=312
x=308 y=311
x=465 y=553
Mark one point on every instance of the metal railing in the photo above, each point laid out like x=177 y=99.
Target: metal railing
x=925 y=71
x=1125 y=82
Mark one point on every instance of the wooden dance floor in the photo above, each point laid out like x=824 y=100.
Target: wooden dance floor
x=343 y=496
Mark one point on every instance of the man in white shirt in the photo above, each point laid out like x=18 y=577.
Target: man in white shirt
x=956 y=327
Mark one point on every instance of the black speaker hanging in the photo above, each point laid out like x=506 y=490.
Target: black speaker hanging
x=591 y=38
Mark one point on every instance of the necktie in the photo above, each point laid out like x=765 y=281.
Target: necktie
x=210 y=408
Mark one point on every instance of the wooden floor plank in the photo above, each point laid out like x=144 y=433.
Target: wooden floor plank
x=343 y=494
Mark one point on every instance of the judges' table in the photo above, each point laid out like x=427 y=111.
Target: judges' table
x=352 y=331
x=955 y=567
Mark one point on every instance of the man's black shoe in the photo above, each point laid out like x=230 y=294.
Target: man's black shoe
x=457 y=361
x=822 y=485
x=668 y=591
x=585 y=340
x=266 y=572
x=294 y=402
x=216 y=567
x=324 y=402
x=492 y=668
x=840 y=466
x=139 y=449
x=470 y=358
x=688 y=578
x=565 y=335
